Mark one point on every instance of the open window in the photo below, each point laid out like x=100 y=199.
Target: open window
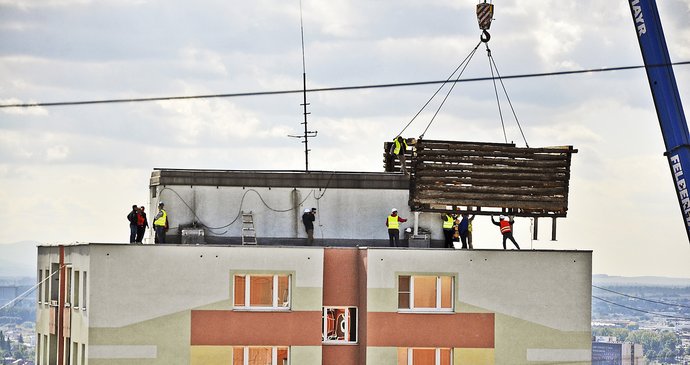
x=424 y=356
x=256 y=355
x=271 y=292
x=425 y=293
x=339 y=325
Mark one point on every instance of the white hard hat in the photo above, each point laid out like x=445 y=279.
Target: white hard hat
x=393 y=210
x=307 y=210
x=502 y=217
x=161 y=203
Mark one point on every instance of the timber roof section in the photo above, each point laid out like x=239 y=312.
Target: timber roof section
x=280 y=179
x=490 y=178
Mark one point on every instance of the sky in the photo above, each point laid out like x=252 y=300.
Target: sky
x=70 y=173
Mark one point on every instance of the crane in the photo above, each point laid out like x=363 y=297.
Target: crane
x=669 y=108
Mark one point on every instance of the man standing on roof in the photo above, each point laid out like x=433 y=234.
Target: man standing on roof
x=142 y=224
x=160 y=222
x=132 y=218
x=464 y=230
x=308 y=219
x=506 y=227
x=398 y=149
x=448 y=230
x=393 y=223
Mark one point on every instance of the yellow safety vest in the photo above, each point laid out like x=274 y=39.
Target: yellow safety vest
x=161 y=221
x=393 y=222
x=448 y=223
x=398 y=145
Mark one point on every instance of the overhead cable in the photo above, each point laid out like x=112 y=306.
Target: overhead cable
x=641 y=310
x=646 y=300
x=339 y=88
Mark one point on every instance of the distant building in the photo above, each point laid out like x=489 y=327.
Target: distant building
x=616 y=353
x=280 y=303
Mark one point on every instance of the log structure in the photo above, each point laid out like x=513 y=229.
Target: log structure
x=488 y=178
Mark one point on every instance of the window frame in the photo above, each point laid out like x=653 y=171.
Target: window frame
x=348 y=325
x=274 y=354
x=275 y=298
x=437 y=354
x=439 y=295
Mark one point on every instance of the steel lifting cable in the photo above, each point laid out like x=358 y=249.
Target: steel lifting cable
x=492 y=66
x=464 y=63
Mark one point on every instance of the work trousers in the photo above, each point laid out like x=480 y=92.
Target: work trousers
x=160 y=234
x=310 y=237
x=509 y=236
x=448 y=235
x=394 y=237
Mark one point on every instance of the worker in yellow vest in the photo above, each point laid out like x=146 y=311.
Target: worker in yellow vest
x=398 y=149
x=448 y=229
x=393 y=223
x=160 y=223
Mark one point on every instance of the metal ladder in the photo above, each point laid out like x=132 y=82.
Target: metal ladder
x=248 y=231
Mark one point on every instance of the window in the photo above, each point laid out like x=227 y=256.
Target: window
x=83 y=292
x=339 y=325
x=262 y=292
x=68 y=288
x=424 y=356
x=260 y=356
x=40 y=287
x=77 y=288
x=425 y=293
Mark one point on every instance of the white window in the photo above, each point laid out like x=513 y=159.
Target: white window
x=254 y=355
x=425 y=293
x=77 y=288
x=424 y=356
x=339 y=325
x=40 y=287
x=271 y=292
x=84 y=293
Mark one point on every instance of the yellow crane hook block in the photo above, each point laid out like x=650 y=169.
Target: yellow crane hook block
x=485 y=13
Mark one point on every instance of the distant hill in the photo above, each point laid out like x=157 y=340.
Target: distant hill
x=18 y=259
x=606 y=280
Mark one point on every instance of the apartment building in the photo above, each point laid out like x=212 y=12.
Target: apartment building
x=270 y=305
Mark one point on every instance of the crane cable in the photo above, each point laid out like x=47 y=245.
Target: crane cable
x=492 y=66
x=462 y=65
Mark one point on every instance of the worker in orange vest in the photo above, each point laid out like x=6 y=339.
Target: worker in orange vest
x=506 y=226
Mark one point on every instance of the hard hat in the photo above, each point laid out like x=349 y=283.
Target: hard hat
x=307 y=210
x=161 y=203
x=502 y=217
x=393 y=210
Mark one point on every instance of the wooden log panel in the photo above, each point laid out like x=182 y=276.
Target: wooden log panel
x=490 y=178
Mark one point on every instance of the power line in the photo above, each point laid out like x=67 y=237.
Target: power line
x=646 y=300
x=641 y=310
x=339 y=88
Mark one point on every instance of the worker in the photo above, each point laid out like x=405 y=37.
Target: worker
x=464 y=230
x=469 y=233
x=393 y=223
x=142 y=224
x=448 y=221
x=160 y=223
x=308 y=219
x=506 y=226
x=132 y=218
x=398 y=149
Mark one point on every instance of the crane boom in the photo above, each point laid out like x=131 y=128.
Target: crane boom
x=669 y=108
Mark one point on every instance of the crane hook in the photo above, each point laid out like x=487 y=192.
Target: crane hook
x=485 y=37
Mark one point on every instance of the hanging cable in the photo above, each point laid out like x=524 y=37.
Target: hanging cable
x=449 y=91
x=498 y=100
x=505 y=92
x=641 y=310
x=30 y=290
x=464 y=62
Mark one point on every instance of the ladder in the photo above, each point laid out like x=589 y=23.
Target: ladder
x=248 y=231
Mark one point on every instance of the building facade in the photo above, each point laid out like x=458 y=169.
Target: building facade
x=270 y=305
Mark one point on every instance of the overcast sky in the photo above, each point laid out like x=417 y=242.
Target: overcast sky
x=70 y=173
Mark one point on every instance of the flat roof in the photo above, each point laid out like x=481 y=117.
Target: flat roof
x=280 y=179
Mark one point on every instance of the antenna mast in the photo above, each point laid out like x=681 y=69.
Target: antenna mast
x=307 y=132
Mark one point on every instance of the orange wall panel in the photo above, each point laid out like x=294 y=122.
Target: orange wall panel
x=340 y=277
x=235 y=328
x=467 y=330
